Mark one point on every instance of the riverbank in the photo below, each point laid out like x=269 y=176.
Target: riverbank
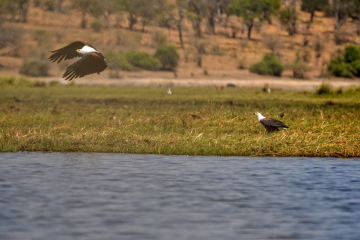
x=192 y=121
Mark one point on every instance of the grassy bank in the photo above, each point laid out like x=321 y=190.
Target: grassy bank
x=191 y=121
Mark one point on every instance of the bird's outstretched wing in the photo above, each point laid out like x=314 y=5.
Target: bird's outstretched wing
x=93 y=62
x=67 y=52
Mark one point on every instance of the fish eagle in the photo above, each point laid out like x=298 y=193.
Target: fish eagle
x=92 y=61
x=270 y=124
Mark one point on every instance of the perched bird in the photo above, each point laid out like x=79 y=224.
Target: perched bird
x=270 y=124
x=92 y=61
x=169 y=91
x=266 y=88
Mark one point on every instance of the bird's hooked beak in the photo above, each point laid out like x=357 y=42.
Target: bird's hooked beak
x=77 y=50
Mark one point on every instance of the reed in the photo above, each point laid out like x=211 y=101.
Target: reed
x=191 y=121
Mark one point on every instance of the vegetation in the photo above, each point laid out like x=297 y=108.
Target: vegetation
x=192 y=121
x=168 y=56
x=35 y=68
x=96 y=25
x=131 y=61
x=145 y=25
x=346 y=64
x=269 y=65
x=142 y=60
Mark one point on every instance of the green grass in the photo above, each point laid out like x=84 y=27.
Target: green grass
x=191 y=121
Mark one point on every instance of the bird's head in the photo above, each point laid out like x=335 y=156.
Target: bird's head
x=259 y=116
x=80 y=52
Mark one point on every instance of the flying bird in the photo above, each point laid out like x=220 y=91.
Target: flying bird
x=270 y=124
x=92 y=61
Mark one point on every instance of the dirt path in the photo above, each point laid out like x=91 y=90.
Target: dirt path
x=283 y=83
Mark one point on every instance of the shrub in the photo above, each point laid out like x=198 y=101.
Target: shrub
x=269 y=65
x=142 y=60
x=158 y=38
x=35 y=68
x=242 y=63
x=271 y=41
x=352 y=53
x=118 y=61
x=324 y=89
x=338 y=67
x=14 y=81
x=96 y=25
x=299 y=67
x=168 y=56
x=346 y=64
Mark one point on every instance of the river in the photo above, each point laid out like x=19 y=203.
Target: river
x=123 y=196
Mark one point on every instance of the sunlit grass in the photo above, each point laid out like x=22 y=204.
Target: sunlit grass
x=191 y=121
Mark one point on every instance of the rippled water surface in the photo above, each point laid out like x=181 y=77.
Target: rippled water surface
x=120 y=196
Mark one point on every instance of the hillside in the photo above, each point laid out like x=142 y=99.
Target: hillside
x=45 y=31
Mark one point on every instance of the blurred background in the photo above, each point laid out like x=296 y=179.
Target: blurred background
x=200 y=39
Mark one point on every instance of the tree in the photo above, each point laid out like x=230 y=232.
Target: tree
x=84 y=7
x=104 y=8
x=129 y=6
x=196 y=10
x=14 y=7
x=342 y=10
x=289 y=16
x=250 y=10
x=311 y=6
x=173 y=14
x=146 y=10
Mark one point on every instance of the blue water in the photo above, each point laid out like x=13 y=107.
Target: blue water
x=52 y=196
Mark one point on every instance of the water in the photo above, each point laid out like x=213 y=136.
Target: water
x=121 y=196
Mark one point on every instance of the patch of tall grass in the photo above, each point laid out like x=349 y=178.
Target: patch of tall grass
x=191 y=121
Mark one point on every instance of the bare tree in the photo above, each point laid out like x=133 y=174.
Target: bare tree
x=196 y=10
x=289 y=16
x=342 y=10
x=129 y=6
x=105 y=8
x=84 y=7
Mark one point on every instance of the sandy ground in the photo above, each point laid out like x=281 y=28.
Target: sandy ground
x=242 y=79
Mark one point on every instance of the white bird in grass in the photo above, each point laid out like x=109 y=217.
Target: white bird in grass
x=169 y=91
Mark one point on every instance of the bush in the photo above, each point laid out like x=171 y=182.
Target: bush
x=35 y=68
x=96 y=25
x=299 y=67
x=14 y=81
x=269 y=65
x=142 y=60
x=131 y=61
x=346 y=64
x=118 y=61
x=271 y=41
x=168 y=56
x=158 y=38
x=352 y=53
x=338 y=67
x=324 y=89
